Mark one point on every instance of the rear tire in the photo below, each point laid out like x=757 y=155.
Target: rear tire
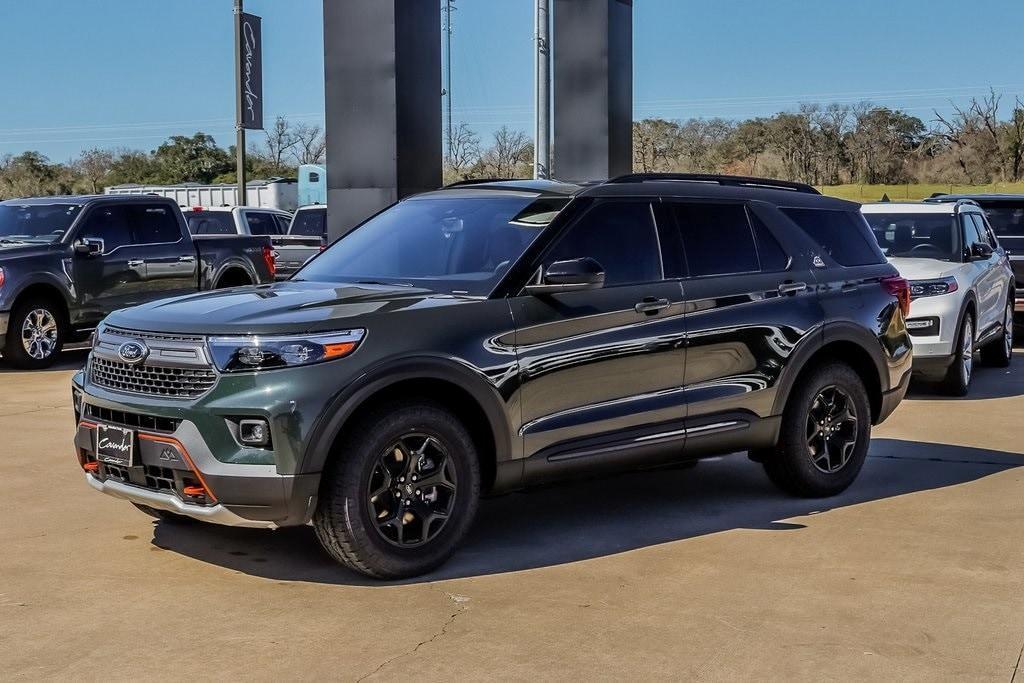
x=36 y=333
x=825 y=433
x=958 y=378
x=401 y=492
x=999 y=352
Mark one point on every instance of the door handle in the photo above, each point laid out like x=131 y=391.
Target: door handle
x=187 y=259
x=650 y=305
x=136 y=263
x=792 y=287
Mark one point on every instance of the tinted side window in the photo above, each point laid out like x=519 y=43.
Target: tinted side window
x=717 y=238
x=309 y=223
x=260 y=223
x=983 y=231
x=971 y=233
x=110 y=224
x=210 y=223
x=844 y=235
x=154 y=224
x=621 y=236
x=282 y=223
x=769 y=252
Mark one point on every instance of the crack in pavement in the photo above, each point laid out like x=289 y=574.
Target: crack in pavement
x=33 y=410
x=458 y=600
x=1016 y=667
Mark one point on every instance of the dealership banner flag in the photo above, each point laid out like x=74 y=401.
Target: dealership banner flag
x=251 y=77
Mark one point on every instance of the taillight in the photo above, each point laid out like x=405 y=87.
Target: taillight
x=323 y=243
x=899 y=288
x=1 y=277
x=268 y=258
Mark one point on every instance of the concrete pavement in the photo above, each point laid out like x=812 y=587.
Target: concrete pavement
x=915 y=573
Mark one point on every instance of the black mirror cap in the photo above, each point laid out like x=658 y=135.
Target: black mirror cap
x=578 y=271
x=572 y=275
x=981 y=251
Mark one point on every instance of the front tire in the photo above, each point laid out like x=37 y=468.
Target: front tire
x=999 y=352
x=35 y=334
x=401 y=492
x=825 y=433
x=958 y=377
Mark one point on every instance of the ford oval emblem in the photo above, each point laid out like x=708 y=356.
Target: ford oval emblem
x=133 y=352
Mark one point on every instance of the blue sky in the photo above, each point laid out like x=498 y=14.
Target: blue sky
x=128 y=73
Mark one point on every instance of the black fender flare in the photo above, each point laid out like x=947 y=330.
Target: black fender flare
x=385 y=374
x=48 y=280
x=839 y=331
x=229 y=264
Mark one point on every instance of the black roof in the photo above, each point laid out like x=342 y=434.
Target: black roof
x=84 y=199
x=993 y=197
x=696 y=186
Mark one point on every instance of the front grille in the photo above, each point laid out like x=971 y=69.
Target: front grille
x=135 y=420
x=151 y=380
x=155 y=336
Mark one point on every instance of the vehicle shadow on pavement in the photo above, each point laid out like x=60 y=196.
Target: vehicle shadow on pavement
x=72 y=359
x=595 y=518
x=986 y=383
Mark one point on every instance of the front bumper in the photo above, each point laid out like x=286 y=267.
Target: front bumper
x=217 y=514
x=183 y=444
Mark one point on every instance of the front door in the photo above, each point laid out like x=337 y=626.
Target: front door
x=114 y=278
x=603 y=369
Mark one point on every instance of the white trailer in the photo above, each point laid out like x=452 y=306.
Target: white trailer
x=276 y=193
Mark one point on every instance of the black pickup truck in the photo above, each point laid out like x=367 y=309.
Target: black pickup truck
x=66 y=262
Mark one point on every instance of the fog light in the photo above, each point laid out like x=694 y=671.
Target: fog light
x=254 y=432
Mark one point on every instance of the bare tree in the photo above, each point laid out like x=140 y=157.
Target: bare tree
x=280 y=142
x=464 y=153
x=310 y=144
x=94 y=167
x=511 y=152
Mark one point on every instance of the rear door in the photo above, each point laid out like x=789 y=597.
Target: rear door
x=989 y=285
x=602 y=370
x=750 y=301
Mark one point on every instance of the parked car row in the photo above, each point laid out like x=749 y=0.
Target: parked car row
x=486 y=337
x=962 y=286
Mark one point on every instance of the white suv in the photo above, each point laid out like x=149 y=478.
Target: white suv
x=961 y=286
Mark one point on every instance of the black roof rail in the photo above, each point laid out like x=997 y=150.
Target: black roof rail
x=736 y=180
x=477 y=181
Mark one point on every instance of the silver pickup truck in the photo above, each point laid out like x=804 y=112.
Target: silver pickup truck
x=307 y=237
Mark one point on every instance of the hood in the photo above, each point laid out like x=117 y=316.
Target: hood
x=281 y=308
x=22 y=249
x=924 y=268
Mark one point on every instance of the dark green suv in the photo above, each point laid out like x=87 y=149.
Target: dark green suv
x=487 y=337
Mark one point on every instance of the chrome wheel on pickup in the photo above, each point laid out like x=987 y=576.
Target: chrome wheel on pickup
x=35 y=334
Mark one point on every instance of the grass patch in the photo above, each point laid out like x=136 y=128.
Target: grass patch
x=912 y=192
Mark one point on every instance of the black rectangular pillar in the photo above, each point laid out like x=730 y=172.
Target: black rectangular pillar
x=592 y=47
x=382 y=69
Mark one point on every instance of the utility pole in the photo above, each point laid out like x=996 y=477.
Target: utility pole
x=239 y=129
x=542 y=114
x=448 y=8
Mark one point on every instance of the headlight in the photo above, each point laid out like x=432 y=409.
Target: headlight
x=241 y=354
x=919 y=288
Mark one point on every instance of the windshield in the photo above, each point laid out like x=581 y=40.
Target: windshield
x=35 y=222
x=916 y=235
x=458 y=244
x=309 y=223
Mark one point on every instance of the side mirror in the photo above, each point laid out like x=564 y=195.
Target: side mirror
x=568 y=276
x=89 y=246
x=981 y=251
